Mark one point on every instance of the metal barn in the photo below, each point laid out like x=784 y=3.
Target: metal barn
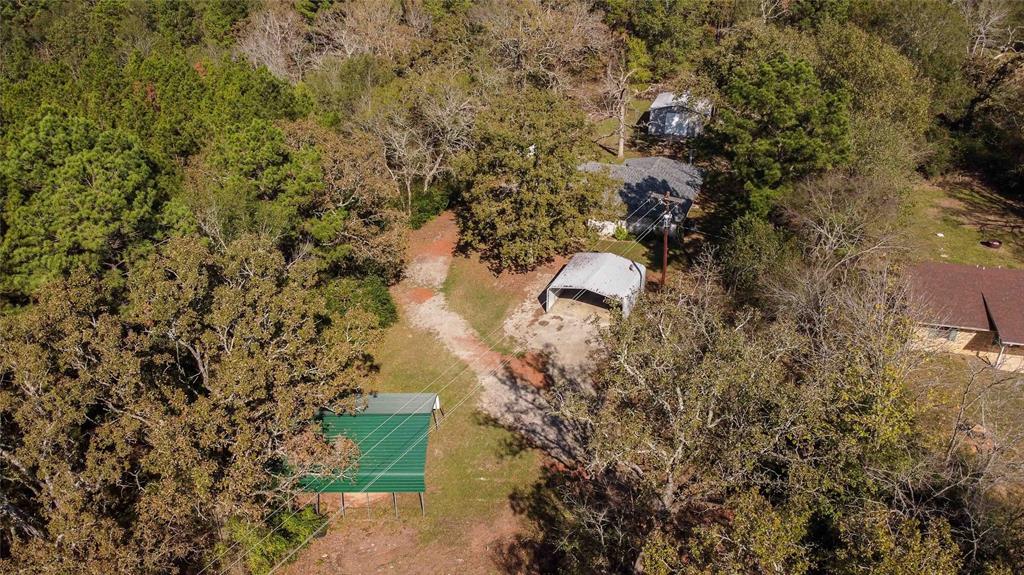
x=681 y=116
x=391 y=432
x=605 y=275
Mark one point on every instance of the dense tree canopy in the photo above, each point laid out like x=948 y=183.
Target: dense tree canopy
x=525 y=200
x=129 y=433
x=778 y=124
x=204 y=205
x=74 y=195
x=189 y=273
x=718 y=437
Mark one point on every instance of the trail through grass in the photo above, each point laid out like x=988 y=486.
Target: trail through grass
x=471 y=465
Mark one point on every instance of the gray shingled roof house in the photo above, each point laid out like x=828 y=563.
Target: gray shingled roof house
x=642 y=177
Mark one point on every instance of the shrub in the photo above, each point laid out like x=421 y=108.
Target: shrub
x=264 y=545
x=369 y=294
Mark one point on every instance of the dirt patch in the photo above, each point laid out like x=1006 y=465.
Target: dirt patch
x=433 y=315
x=419 y=294
x=430 y=253
x=568 y=335
x=427 y=271
x=331 y=502
x=948 y=203
x=530 y=369
x=384 y=545
x=974 y=204
x=437 y=237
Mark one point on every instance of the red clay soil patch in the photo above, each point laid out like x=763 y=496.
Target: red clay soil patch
x=529 y=369
x=437 y=237
x=480 y=357
x=386 y=545
x=420 y=294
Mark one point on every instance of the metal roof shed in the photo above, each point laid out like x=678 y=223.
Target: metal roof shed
x=391 y=432
x=608 y=275
x=681 y=116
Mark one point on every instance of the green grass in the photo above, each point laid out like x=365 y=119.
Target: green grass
x=996 y=397
x=933 y=210
x=476 y=294
x=626 y=248
x=606 y=145
x=647 y=253
x=471 y=471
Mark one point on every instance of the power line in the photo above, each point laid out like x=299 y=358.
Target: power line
x=380 y=474
x=452 y=380
x=504 y=363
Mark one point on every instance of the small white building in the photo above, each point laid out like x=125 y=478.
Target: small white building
x=681 y=116
x=605 y=275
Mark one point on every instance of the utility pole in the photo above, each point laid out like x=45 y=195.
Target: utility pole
x=667 y=201
x=667 y=221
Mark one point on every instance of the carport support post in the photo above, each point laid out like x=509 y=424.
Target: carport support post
x=342 y=503
x=423 y=506
x=394 y=500
x=318 y=503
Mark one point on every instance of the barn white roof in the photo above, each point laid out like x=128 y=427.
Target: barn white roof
x=685 y=100
x=605 y=274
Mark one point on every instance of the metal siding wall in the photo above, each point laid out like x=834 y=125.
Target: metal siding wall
x=393 y=453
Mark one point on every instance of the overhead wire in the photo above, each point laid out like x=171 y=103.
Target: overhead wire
x=490 y=349
x=416 y=441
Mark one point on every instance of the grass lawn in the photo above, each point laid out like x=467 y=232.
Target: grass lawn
x=648 y=253
x=471 y=471
x=995 y=398
x=638 y=252
x=475 y=293
x=965 y=214
x=606 y=145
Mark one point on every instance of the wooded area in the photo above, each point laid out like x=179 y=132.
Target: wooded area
x=203 y=205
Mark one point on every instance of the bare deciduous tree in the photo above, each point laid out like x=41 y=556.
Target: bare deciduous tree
x=421 y=139
x=541 y=43
x=990 y=23
x=772 y=9
x=977 y=461
x=616 y=94
x=276 y=38
x=365 y=27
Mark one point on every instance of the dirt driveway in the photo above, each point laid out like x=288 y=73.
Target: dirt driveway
x=568 y=335
x=509 y=384
x=509 y=393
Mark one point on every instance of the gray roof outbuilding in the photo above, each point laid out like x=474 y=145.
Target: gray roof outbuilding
x=608 y=275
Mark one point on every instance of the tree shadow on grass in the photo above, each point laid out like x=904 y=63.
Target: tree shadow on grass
x=530 y=413
x=512 y=445
x=537 y=551
x=519 y=402
x=995 y=215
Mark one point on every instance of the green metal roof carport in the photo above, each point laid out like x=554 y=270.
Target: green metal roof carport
x=391 y=432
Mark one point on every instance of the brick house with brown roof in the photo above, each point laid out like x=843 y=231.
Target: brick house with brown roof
x=973 y=310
